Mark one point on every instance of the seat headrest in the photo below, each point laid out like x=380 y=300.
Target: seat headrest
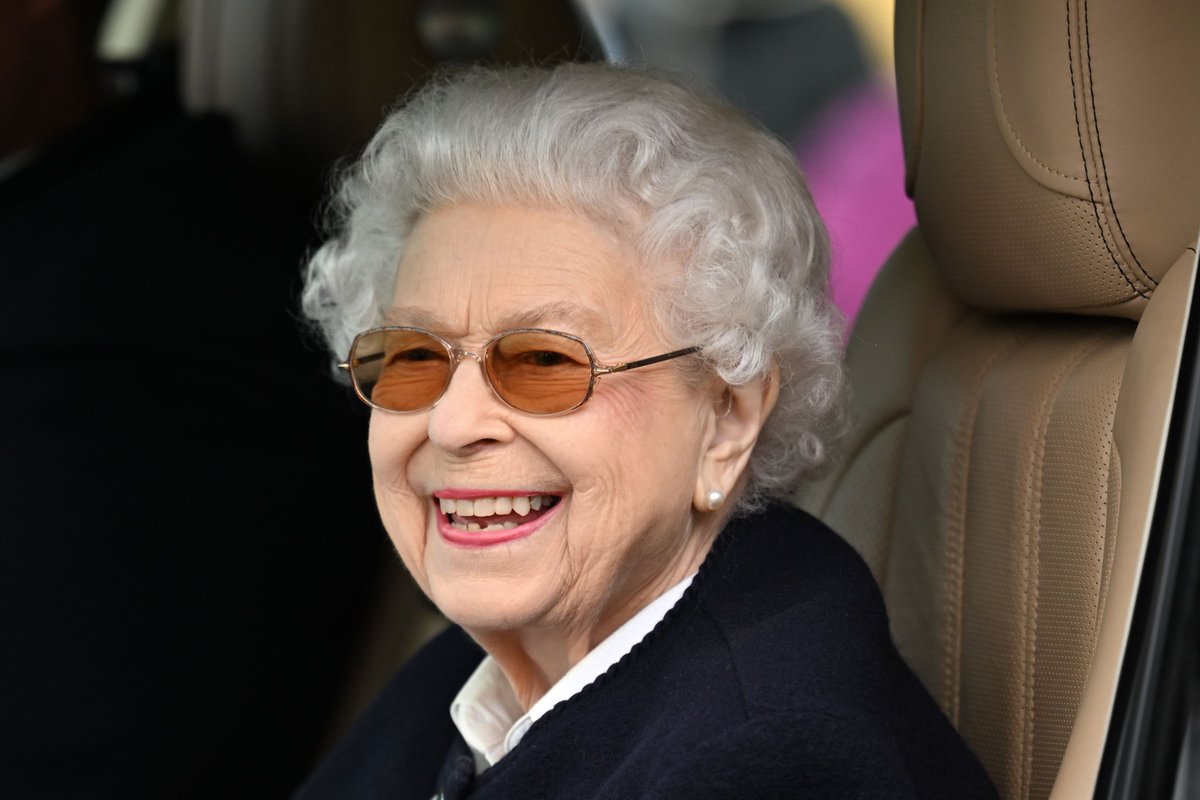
x=1052 y=149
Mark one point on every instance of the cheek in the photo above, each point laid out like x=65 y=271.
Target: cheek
x=639 y=458
x=390 y=447
x=656 y=422
x=391 y=444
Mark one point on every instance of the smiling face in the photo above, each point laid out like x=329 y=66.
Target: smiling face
x=615 y=479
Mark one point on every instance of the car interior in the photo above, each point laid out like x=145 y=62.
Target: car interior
x=1014 y=364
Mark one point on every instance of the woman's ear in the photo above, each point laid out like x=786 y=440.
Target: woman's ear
x=738 y=415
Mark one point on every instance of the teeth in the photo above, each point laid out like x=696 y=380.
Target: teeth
x=490 y=506
x=474 y=526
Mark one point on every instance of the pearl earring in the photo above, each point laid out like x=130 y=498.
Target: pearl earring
x=716 y=499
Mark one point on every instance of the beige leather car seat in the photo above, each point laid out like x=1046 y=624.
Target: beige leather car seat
x=1014 y=363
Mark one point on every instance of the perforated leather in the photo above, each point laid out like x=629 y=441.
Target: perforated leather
x=1027 y=127
x=990 y=505
x=1011 y=413
x=1001 y=519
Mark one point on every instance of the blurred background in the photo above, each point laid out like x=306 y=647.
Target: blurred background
x=195 y=594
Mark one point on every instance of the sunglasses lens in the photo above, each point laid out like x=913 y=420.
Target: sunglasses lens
x=538 y=372
x=400 y=370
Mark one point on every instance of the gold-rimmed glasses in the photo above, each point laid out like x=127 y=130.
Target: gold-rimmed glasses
x=534 y=370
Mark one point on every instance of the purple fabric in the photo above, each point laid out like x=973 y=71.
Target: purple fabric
x=854 y=162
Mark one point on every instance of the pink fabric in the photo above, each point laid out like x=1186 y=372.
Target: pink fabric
x=854 y=162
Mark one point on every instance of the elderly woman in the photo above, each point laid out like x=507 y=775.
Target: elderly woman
x=588 y=309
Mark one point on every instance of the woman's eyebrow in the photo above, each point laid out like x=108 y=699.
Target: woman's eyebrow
x=579 y=318
x=575 y=318
x=415 y=317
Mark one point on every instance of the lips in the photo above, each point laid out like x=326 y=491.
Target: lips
x=476 y=518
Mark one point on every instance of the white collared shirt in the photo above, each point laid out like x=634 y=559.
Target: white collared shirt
x=487 y=713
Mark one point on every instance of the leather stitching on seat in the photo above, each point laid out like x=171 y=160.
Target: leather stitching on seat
x=1141 y=291
x=1111 y=204
x=1110 y=535
x=1031 y=565
x=956 y=525
x=992 y=53
x=918 y=135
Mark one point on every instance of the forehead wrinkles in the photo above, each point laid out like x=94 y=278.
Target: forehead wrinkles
x=472 y=271
x=570 y=317
x=498 y=238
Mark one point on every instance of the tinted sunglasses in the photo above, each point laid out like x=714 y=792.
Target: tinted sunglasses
x=530 y=369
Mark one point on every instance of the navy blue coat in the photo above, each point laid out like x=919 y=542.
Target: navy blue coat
x=774 y=676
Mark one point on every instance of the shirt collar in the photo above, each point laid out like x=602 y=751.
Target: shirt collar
x=487 y=713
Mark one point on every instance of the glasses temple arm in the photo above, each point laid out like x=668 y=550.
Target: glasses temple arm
x=345 y=365
x=645 y=362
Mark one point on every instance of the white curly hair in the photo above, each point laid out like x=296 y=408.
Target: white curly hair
x=679 y=171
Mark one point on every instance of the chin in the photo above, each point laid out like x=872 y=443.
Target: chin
x=480 y=608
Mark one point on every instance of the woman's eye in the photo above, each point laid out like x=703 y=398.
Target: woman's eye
x=415 y=354
x=546 y=358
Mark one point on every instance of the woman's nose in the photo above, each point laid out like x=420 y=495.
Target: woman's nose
x=468 y=414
